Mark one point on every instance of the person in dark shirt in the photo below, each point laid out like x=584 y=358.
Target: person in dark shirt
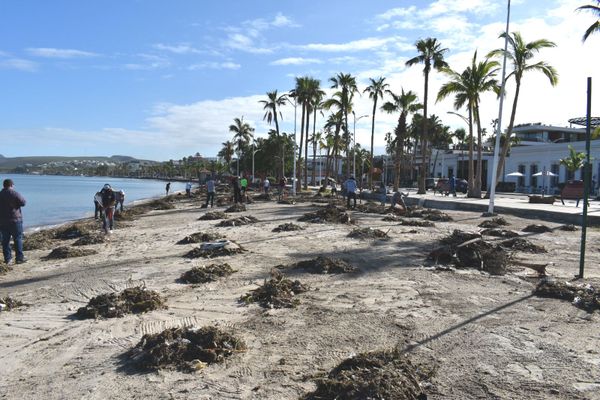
x=108 y=204
x=11 y=221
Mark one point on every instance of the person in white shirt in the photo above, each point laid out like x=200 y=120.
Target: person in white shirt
x=350 y=186
x=210 y=192
x=266 y=185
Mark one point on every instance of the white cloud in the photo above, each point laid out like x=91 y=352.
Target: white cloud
x=296 y=61
x=183 y=48
x=242 y=42
x=18 y=64
x=372 y=43
x=214 y=65
x=49 y=52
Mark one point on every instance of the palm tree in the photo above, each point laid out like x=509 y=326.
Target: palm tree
x=431 y=54
x=242 y=134
x=467 y=87
x=575 y=161
x=316 y=140
x=520 y=53
x=406 y=104
x=335 y=121
x=376 y=90
x=346 y=84
x=315 y=97
x=595 y=27
x=272 y=106
x=226 y=153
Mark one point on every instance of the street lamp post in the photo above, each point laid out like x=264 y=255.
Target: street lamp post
x=294 y=152
x=354 y=135
x=253 y=153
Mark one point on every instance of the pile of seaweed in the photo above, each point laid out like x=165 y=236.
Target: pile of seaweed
x=469 y=250
x=8 y=303
x=69 y=252
x=213 y=215
x=329 y=213
x=128 y=215
x=245 y=220
x=287 y=201
x=368 y=233
x=90 y=238
x=236 y=208
x=392 y=218
x=38 y=240
x=521 y=244
x=288 y=227
x=159 y=204
x=4 y=268
x=200 y=237
x=263 y=196
x=537 y=228
x=71 y=232
x=134 y=300
x=583 y=295
x=375 y=375
x=372 y=208
x=207 y=273
x=494 y=223
x=503 y=233
x=277 y=292
x=44 y=238
x=215 y=249
x=568 y=228
x=186 y=349
x=413 y=222
x=324 y=265
x=427 y=213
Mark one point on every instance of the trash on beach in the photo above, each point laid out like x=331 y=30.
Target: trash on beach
x=213 y=215
x=8 y=303
x=215 y=249
x=288 y=227
x=207 y=273
x=200 y=237
x=134 y=300
x=90 y=238
x=330 y=213
x=185 y=349
x=568 y=228
x=503 y=233
x=494 y=223
x=277 y=292
x=374 y=375
x=69 y=252
x=368 y=233
x=521 y=244
x=582 y=295
x=236 y=208
x=245 y=220
x=537 y=228
x=324 y=265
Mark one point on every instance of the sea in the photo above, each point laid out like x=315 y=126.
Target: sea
x=52 y=200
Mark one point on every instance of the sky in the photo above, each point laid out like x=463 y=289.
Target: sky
x=162 y=80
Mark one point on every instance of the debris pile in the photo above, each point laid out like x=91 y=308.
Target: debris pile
x=582 y=295
x=90 y=238
x=503 y=233
x=287 y=201
x=521 y=244
x=288 y=227
x=69 y=252
x=200 y=237
x=245 y=220
x=413 y=222
x=372 y=208
x=392 y=218
x=375 y=375
x=71 y=232
x=537 y=228
x=494 y=223
x=236 y=208
x=368 y=233
x=160 y=204
x=568 y=228
x=186 y=349
x=428 y=214
x=207 y=273
x=324 y=265
x=134 y=300
x=8 y=303
x=38 y=240
x=277 y=292
x=330 y=213
x=213 y=215
x=263 y=196
x=215 y=249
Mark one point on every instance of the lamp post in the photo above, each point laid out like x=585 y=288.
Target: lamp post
x=253 y=153
x=294 y=152
x=354 y=135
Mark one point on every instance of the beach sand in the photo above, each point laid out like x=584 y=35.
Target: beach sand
x=482 y=336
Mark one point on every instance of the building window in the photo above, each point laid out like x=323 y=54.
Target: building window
x=555 y=169
x=521 y=169
x=533 y=181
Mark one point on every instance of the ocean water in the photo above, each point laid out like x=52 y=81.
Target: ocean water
x=54 y=199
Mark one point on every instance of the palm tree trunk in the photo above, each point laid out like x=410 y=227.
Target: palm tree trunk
x=306 y=149
x=478 y=177
x=314 y=144
x=372 y=141
x=471 y=165
x=509 y=132
x=424 y=162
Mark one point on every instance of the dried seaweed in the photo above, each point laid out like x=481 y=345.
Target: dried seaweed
x=90 y=238
x=134 y=300
x=582 y=295
x=239 y=221
x=288 y=227
x=330 y=213
x=521 y=244
x=207 y=273
x=324 y=265
x=368 y=233
x=494 y=223
x=236 y=208
x=503 y=233
x=414 y=222
x=215 y=249
x=537 y=228
x=277 y=292
x=200 y=237
x=69 y=252
x=213 y=215
x=8 y=303
x=568 y=228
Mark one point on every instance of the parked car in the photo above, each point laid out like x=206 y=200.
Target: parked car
x=443 y=186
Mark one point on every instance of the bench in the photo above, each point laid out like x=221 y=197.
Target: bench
x=573 y=190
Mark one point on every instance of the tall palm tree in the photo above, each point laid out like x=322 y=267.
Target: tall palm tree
x=314 y=103
x=272 y=109
x=334 y=121
x=595 y=27
x=226 y=153
x=242 y=134
x=376 y=91
x=406 y=103
x=467 y=87
x=431 y=54
x=316 y=140
x=520 y=54
x=346 y=84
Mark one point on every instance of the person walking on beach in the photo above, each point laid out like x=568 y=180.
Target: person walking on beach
x=237 y=195
x=120 y=199
x=243 y=186
x=188 y=189
x=108 y=204
x=11 y=221
x=98 y=206
x=210 y=192
x=266 y=185
x=350 y=187
x=168 y=187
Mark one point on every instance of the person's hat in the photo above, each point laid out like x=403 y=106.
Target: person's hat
x=107 y=186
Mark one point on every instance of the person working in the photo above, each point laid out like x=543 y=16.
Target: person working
x=350 y=187
x=11 y=221
x=210 y=192
x=108 y=204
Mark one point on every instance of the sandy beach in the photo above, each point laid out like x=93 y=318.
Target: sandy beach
x=481 y=336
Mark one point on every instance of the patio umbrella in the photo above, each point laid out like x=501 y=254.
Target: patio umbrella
x=515 y=174
x=544 y=173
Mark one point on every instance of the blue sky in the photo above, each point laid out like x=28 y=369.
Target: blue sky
x=164 y=79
